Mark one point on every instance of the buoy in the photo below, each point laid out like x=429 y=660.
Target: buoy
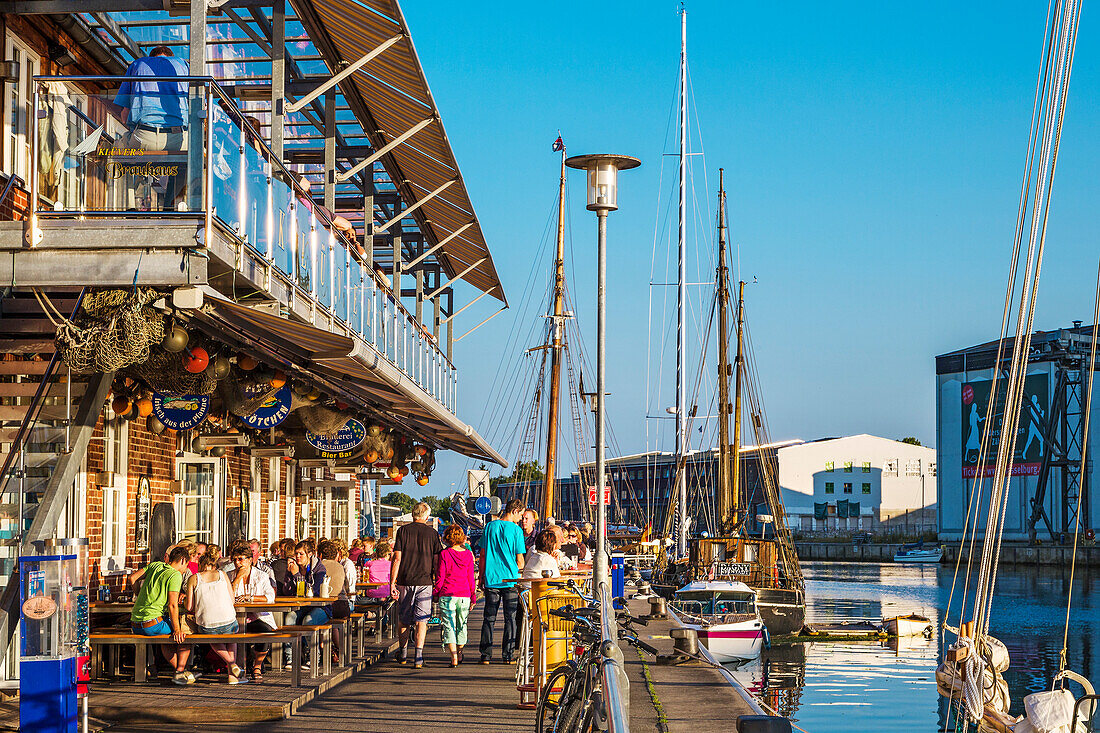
x=314 y=395
x=217 y=451
x=121 y=405
x=394 y=473
x=175 y=340
x=341 y=405
x=422 y=480
x=246 y=362
x=371 y=456
x=421 y=450
x=221 y=367
x=278 y=380
x=155 y=426
x=374 y=431
x=195 y=359
x=144 y=407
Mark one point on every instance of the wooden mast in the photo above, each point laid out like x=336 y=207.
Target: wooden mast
x=558 y=325
x=726 y=497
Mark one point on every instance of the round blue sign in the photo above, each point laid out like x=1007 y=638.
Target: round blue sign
x=272 y=412
x=483 y=505
x=180 y=412
x=342 y=443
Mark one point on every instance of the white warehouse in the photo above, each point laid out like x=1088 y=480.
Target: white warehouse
x=858 y=482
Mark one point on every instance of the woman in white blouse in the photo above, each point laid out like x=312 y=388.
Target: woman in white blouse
x=252 y=586
x=541 y=557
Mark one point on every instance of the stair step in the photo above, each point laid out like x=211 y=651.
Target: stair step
x=37 y=434
x=55 y=390
x=14 y=413
x=27 y=346
x=24 y=367
x=31 y=305
x=25 y=325
x=32 y=461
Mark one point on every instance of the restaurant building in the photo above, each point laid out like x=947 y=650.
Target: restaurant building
x=230 y=296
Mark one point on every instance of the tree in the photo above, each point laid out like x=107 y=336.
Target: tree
x=524 y=471
x=911 y=440
x=401 y=500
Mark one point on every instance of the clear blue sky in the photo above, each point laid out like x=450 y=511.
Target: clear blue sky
x=872 y=151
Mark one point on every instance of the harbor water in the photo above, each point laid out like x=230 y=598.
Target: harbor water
x=875 y=687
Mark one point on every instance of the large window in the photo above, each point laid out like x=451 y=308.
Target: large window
x=865 y=488
x=912 y=468
x=19 y=100
x=847 y=466
x=866 y=468
x=847 y=488
x=195 y=502
x=115 y=435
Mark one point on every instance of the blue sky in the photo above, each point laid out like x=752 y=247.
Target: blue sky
x=873 y=155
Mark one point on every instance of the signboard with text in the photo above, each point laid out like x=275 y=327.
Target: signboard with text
x=606 y=495
x=1027 y=457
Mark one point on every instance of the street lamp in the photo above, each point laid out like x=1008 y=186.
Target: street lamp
x=603 y=196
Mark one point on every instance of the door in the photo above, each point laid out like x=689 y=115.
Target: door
x=196 y=504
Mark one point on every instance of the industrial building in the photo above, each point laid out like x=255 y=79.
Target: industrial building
x=1047 y=485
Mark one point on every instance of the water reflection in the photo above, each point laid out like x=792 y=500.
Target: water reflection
x=890 y=685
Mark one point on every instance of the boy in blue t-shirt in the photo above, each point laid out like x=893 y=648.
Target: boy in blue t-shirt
x=502 y=550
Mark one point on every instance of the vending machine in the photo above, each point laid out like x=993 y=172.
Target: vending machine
x=49 y=590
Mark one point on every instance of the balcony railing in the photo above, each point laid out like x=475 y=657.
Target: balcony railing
x=168 y=147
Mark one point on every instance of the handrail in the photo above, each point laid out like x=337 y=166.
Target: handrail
x=9 y=185
x=615 y=685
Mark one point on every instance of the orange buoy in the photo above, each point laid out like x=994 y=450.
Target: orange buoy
x=278 y=380
x=144 y=407
x=372 y=456
x=246 y=362
x=121 y=405
x=423 y=481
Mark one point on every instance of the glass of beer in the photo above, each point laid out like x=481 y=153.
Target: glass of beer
x=300 y=590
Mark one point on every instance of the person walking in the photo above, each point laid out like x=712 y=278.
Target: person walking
x=502 y=550
x=210 y=599
x=416 y=548
x=456 y=590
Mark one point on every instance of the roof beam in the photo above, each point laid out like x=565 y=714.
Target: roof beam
x=416 y=206
x=459 y=276
x=40 y=7
x=442 y=242
x=116 y=32
x=385 y=149
x=348 y=71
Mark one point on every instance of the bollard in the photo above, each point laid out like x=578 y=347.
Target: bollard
x=763 y=724
x=685 y=641
x=658 y=608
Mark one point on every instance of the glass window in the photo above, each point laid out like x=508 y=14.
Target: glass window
x=865 y=488
x=932 y=470
x=829 y=465
x=195 y=502
x=866 y=468
x=890 y=468
x=20 y=98
x=912 y=468
x=847 y=488
x=115 y=436
x=847 y=466
x=828 y=488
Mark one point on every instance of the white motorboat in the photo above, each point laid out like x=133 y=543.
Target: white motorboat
x=919 y=554
x=911 y=625
x=724 y=615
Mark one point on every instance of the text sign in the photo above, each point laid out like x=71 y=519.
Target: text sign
x=272 y=412
x=180 y=412
x=606 y=495
x=342 y=443
x=142 y=515
x=732 y=568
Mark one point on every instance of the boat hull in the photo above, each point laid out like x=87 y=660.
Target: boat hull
x=783 y=611
x=731 y=642
x=906 y=626
x=920 y=556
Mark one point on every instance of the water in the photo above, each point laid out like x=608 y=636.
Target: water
x=890 y=685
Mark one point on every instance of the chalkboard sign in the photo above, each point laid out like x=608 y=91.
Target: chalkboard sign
x=142 y=516
x=162 y=529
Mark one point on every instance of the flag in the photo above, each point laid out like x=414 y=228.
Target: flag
x=558 y=145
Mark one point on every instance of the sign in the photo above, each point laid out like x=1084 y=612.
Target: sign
x=272 y=412
x=483 y=505
x=477 y=482
x=341 y=444
x=142 y=515
x=1029 y=449
x=180 y=412
x=723 y=569
x=606 y=495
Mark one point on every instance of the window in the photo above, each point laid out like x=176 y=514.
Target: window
x=115 y=436
x=865 y=488
x=829 y=465
x=912 y=468
x=932 y=469
x=847 y=488
x=195 y=502
x=866 y=468
x=890 y=468
x=19 y=96
x=847 y=466
x=829 y=487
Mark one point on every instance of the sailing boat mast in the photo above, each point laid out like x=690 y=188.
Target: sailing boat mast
x=728 y=456
x=555 y=353
x=681 y=304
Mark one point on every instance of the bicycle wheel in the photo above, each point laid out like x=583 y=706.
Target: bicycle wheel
x=548 y=706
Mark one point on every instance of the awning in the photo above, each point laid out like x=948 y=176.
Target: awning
x=398 y=98
x=349 y=366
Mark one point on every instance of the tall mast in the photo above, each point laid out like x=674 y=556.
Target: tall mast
x=681 y=304
x=726 y=498
x=734 y=518
x=555 y=353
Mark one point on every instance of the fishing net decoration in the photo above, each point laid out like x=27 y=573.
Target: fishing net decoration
x=320 y=420
x=164 y=372
x=115 y=329
x=243 y=397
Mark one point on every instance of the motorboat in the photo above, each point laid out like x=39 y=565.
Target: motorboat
x=912 y=625
x=724 y=615
x=918 y=553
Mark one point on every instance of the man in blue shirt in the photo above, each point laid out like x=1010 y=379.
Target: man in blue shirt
x=156 y=114
x=502 y=550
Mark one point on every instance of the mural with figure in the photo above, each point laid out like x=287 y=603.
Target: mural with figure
x=1029 y=448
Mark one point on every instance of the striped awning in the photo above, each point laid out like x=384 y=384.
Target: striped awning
x=397 y=95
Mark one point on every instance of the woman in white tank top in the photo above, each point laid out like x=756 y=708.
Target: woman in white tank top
x=210 y=599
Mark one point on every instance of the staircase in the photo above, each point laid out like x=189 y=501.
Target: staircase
x=47 y=415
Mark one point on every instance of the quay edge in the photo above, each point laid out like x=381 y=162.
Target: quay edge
x=1013 y=554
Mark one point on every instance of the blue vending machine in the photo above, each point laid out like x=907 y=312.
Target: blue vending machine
x=618 y=576
x=48 y=642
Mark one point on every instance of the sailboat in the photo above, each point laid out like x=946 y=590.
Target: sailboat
x=767 y=566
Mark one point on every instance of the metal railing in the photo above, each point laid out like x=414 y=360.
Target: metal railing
x=205 y=160
x=613 y=679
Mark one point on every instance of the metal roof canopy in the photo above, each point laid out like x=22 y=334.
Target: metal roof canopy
x=385 y=103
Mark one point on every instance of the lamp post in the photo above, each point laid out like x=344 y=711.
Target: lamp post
x=603 y=196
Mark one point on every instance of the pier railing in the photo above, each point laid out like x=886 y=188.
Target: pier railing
x=191 y=157
x=614 y=682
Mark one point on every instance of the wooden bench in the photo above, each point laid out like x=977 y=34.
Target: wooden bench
x=378 y=610
x=358 y=623
x=320 y=647
x=142 y=644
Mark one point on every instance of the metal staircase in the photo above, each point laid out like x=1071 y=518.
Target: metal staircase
x=47 y=415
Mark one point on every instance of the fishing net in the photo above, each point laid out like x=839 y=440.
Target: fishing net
x=114 y=330
x=240 y=401
x=322 y=420
x=163 y=371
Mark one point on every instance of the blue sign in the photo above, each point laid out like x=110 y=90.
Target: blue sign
x=181 y=412
x=342 y=443
x=272 y=412
x=483 y=505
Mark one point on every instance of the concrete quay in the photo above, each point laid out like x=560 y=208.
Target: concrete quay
x=1012 y=554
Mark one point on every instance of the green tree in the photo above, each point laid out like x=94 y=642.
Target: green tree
x=524 y=471
x=401 y=500
x=911 y=440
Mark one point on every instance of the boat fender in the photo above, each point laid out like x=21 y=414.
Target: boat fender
x=767 y=638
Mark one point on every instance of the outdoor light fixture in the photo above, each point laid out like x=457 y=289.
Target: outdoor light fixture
x=603 y=177
x=279 y=451
x=225 y=440
x=9 y=71
x=603 y=196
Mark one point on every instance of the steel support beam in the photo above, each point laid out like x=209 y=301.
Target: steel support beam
x=416 y=205
x=459 y=276
x=330 y=150
x=377 y=155
x=441 y=242
x=348 y=71
x=278 y=76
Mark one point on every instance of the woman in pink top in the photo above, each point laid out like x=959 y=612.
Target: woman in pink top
x=456 y=589
x=377 y=570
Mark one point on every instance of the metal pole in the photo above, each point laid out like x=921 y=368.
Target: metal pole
x=600 y=575
x=681 y=304
x=558 y=326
